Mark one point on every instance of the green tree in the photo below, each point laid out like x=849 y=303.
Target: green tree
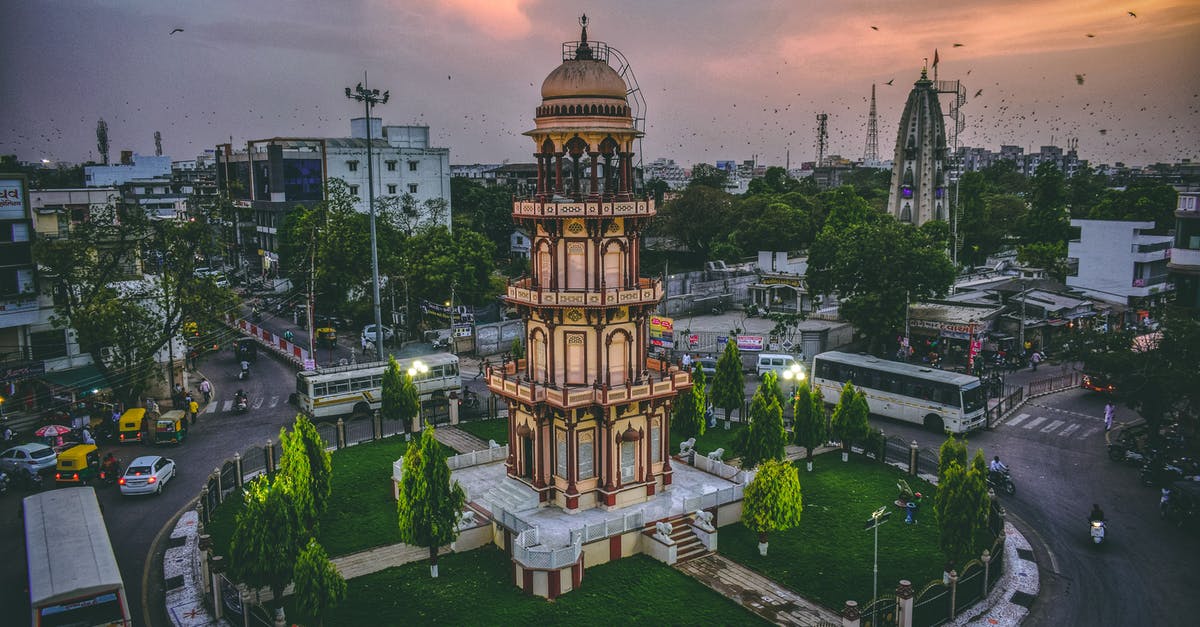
x=962 y=511
x=688 y=417
x=1047 y=220
x=267 y=537
x=729 y=384
x=708 y=175
x=429 y=505
x=764 y=437
x=436 y=262
x=400 y=400
x=849 y=423
x=517 y=350
x=951 y=451
x=1141 y=200
x=773 y=500
x=295 y=477
x=697 y=217
x=809 y=421
x=1050 y=256
x=319 y=586
x=857 y=260
x=320 y=464
x=485 y=210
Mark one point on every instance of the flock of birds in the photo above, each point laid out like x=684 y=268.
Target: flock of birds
x=1000 y=118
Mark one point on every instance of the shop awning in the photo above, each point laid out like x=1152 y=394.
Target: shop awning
x=84 y=378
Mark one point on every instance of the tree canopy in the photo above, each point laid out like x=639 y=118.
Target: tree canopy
x=773 y=500
x=429 y=505
x=729 y=384
x=688 y=418
x=319 y=585
x=808 y=424
x=764 y=438
x=849 y=422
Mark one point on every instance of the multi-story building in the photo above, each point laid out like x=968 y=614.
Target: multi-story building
x=474 y=171
x=1184 y=262
x=667 y=170
x=1121 y=262
x=273 y=176
x=132 y=166
x=157 y=198
x=975 y=159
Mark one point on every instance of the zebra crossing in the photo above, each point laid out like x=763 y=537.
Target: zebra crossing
x=1073 y=426
x=226 y=405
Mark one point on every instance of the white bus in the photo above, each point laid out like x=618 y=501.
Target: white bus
x=358 y=389
x=940 y=400
x=73 y=574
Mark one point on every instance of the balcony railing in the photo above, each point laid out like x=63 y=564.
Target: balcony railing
x=646 y=291
x=585 y=209
x=1150 y=248
x=1148 y=281
x=508 y=381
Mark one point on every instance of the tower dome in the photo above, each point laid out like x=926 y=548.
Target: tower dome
x=583 y=78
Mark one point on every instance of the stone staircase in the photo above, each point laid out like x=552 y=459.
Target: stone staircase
x=510 y=495
x=687 y=543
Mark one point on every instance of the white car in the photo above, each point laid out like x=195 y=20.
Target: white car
x=36 y=457
x=147 y=475
x=368 y=333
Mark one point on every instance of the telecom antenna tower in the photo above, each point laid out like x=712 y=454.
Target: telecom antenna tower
x=822 y=137
x=871 y=155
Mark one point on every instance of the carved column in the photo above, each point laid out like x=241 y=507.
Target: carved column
x=558 y=176
x=594 y=192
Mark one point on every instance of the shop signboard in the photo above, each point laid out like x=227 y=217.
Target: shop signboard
x=662 y=332
x=750 y=342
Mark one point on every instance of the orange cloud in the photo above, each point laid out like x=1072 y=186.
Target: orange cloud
x=499 y=19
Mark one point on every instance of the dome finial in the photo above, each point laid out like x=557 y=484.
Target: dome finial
x=583 y=52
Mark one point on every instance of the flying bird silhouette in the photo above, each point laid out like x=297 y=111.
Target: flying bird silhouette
x=177 y=30
x=874 y=28
x=958 y=45
x=979 y=93
x=889 y=82
x=1132 y=14
x=1079 y=78
x=1090 y=35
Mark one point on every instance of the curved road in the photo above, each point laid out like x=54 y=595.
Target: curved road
x=1143 y=574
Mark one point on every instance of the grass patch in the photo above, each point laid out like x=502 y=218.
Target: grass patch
x=361 y=512
x=828 y=558
x=475 y=588
x=713 y=439
x=495 y=429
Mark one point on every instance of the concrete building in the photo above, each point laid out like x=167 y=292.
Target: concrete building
x=917 y=193
x=132 y=166
x=1119 y=262
x=272 y=176
x=1184 y=260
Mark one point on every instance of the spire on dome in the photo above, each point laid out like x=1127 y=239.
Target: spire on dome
x=583 y=52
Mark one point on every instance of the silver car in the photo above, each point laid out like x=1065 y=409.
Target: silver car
x=147 y=475
x=37 y=457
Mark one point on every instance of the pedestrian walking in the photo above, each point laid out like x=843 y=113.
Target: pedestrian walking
x=1034 y=360
x=206 y=390
x=1108 y=415
x=193 y=409
x=482 y=367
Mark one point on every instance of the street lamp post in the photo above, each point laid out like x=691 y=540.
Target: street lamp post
x=418 y=367
x=370 y=98
x=878 y=517
x=795 y=374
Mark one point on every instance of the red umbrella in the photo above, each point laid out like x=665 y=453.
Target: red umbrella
x=52 y=431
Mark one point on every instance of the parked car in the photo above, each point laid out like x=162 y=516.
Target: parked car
x=37 y=457
x=368 y=333
x=147 y=475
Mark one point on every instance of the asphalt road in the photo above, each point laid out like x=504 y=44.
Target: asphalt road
x=134 y=522
x=1143 y=574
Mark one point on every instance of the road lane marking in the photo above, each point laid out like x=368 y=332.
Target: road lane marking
x=228 y=406
x=1018 y=420
x=274 y=401
x=212 y=407
x=1089 y=433
x=1035 y=422
x=1069 y=430
x=1054 y=424
x=258 y=402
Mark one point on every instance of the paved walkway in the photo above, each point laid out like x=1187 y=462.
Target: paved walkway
x=757 y=593
x=459 y=440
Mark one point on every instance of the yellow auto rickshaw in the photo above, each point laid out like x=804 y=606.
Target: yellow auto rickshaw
x=171 y=427
x=77 y=465
x=129 y=428
x=326 y=337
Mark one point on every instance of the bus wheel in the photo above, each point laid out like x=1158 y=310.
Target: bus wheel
x=933 y=422
x=362 y=409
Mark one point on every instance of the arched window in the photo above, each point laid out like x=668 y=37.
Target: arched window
x=618 y=358
x=576 y=266
x=543 y=266
x=576 y=359
x=537 y=355
x=906 y=213
x=614 y=258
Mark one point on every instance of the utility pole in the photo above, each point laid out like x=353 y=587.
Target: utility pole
x=370 y=98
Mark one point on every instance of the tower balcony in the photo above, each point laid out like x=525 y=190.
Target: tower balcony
x=646 y=292
x=583 y=209
x=509 y=381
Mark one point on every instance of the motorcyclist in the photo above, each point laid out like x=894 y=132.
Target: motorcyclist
x=1096 y=514
x=245 y=369
x=996 y=469
x=239 y=398
x=111 y=467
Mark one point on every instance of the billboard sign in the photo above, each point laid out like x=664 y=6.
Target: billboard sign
x=662 y=332
x=750 y=342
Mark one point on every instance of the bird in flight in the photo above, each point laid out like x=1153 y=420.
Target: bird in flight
x=1090 y=35
x=889 y=82
x=979 y=93
x=958 y=45
x=1079 y=78
x=177 y=30
x=874 y=28
x=1132 y=14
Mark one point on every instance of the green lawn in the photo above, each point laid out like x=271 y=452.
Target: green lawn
x=713 y=439
x=475 y=588
x=828 y=557
x=496 y=429
x=361 y=512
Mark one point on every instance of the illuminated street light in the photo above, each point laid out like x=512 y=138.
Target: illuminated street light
x=370 y=98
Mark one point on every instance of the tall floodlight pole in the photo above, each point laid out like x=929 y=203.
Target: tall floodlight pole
x=370 y=98
x=878 y=517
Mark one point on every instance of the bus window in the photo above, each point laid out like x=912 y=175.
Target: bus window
x=972 y=399
x=320 y=389
x=339 y=387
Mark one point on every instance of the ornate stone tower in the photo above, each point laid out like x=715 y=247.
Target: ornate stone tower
x=918 y=190
x=588 y=420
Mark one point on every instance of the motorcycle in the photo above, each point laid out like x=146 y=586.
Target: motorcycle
x=244 y=373
x=109 y=476
x=1001 y=480
x=1098 y=529
x=25 y=479
x=1157 y=471
x=470 y=399
x=241 y=405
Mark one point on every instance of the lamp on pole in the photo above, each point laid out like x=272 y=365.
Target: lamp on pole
x=417 y=369
x=878 y=517
x=370 y=98
x=795 y=374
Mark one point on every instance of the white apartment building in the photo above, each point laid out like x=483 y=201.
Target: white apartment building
x=1119 y=262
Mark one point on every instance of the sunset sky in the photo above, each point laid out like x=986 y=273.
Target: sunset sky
x=721 y=80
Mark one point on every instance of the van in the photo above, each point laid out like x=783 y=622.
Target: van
x=773 y=362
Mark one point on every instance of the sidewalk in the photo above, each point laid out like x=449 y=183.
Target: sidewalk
x=459 y=440
x=757 y=593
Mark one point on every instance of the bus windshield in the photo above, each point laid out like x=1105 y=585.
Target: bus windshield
x=972 y=399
